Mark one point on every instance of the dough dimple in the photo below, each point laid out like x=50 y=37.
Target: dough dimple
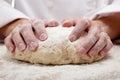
x=57 y=49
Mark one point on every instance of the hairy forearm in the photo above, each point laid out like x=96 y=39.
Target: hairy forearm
x=111 y=25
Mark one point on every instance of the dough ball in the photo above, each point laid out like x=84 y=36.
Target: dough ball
x=57 y=49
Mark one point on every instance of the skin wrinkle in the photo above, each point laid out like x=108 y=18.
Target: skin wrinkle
x=98 y=47
x=93 y=33
x=58 y=49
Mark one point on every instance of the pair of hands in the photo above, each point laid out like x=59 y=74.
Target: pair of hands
x=26 y=32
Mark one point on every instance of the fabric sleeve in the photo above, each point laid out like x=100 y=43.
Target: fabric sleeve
x=110 y=9
x=8 y=13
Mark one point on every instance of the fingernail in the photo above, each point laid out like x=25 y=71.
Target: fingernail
x=10 y=49
x=54 y=23
x=81 y=50
x=72 y=38
x=21 y=47
x=67 y=24
x=43 y=36
x=33 y=46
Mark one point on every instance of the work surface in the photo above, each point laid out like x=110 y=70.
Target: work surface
x=106 y=69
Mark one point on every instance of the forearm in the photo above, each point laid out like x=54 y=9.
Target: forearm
x=5 y=30
x=111 y=25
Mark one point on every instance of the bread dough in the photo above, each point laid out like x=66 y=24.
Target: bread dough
x=57 y=49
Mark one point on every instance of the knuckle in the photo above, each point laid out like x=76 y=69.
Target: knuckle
x=92 y=40
x=100 y=46
x=93 y=36
x=86 y=45
x=38 y=23
x=24 y=32
x=32 y=20
x=29 y=40
x=95 y=31
x=18 y=43
x=14 y=33
x=85 y=21
x=25 y=24
x=104 y=35
x=102 y=41
x=15 y=38
x=76 y=31
x=79 y=21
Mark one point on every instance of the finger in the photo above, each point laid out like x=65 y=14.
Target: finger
x=39 y=27
x=108 y=46
x=68 y=22
x=28 y=36
x=89 y=41
x=51 y=23
x=79 y=28
x=9 y=43
x=99 y=45
x=18 y=41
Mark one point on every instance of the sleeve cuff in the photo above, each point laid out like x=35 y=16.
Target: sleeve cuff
x=111 y=9
x=8 y=14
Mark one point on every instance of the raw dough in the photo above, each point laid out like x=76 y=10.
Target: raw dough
x=57 y=49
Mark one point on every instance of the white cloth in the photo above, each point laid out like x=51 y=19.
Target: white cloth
x=106 y=69
x=8 y=14
x=60 y=9
x=56 y=9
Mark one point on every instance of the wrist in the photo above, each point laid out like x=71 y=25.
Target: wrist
x=5 y=30
x=112 y=25
x=106 y=27
x=103 y=26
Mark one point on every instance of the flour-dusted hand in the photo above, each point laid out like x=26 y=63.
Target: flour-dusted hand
x=26 y=32
x=96 y=42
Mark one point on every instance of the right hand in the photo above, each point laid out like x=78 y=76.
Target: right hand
x=97 y=41
x=25 y=34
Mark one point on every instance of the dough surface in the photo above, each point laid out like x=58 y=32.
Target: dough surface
x=57 y=49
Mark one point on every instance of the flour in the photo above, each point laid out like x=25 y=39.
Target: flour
x=57 y=49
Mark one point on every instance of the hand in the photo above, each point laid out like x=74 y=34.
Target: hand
x=25 y=34
x=97 y=41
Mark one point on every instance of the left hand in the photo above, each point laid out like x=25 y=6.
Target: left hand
x=97 y=40
x=24 y=33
